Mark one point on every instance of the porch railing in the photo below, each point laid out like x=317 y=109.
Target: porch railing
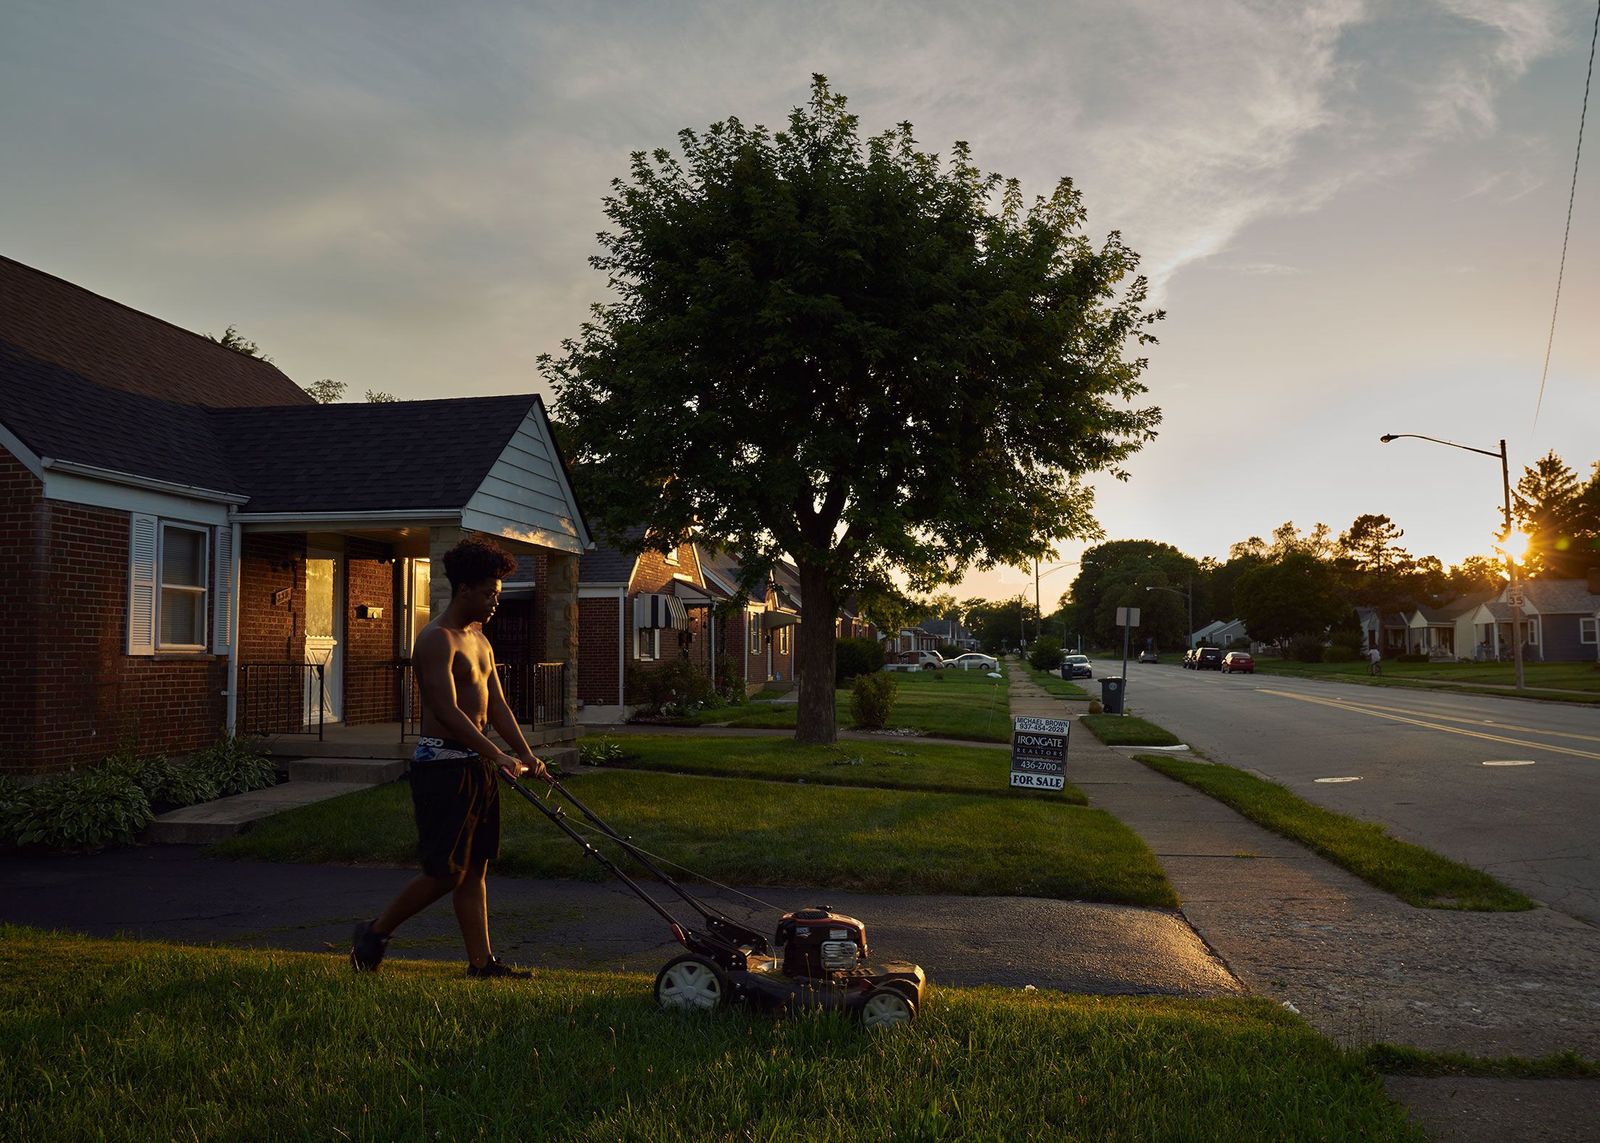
x=282 y=698
x=536 y=692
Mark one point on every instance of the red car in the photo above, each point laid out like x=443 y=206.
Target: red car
x=1238 y=661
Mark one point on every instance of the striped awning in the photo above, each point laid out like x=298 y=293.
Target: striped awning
x=659 y=611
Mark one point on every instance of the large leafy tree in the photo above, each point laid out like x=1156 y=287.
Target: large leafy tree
x=888 y=365
x=1297 y=595
x=1115 y=574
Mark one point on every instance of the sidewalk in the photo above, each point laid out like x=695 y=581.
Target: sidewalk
x=1358 y=964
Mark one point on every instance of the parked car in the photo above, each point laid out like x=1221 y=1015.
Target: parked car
x=1208 y=658
x=912 y=661
x=1148 y=657
x=1238 y=661
x=974 y=661
x=1077 y=667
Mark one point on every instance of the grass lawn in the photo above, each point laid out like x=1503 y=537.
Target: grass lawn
x=133 y=1040
x=1470 y=677
x=905 y=764
x=1416 y=875
x=1127 y=730
x=1053 y=684
x=938 y=704
x=770 y=833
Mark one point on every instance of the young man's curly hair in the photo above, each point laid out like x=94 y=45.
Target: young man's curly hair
x=474 y=560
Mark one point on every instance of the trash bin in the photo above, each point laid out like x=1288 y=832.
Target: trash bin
x=1111 y=695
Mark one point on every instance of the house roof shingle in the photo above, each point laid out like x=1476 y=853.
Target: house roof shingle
x=120 y=348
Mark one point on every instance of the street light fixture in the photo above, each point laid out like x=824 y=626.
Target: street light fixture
x=1188 y=594
x=1511 y=560
x=1038 y=612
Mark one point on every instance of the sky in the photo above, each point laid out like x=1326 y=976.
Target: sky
x=1353 y=213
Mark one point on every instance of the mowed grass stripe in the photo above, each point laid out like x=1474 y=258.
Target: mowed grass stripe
x=766 y=833
x=895 y=765
x=127 y=1040
x=1416 y=875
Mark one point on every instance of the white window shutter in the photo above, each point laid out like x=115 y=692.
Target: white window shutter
x=222 y=594
x=142 y=554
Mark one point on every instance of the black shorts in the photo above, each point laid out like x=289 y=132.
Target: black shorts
x=457 y=806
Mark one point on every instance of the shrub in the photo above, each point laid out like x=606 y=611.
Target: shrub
x=13 y=804
x=674 y=688
x=730 y=679
x=853 y=657
x=1305 y=649
x=87 y=810
x=164 y=781
x=872 y=700
x=598 y=752
x=1338 y=653
x=1045 y=654
x=235 y=766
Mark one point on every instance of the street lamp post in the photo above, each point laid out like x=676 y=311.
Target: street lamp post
x=1188 y=595
x=1038 y=612
x=1511 y=559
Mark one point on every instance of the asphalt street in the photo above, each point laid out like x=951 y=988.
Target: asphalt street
x=1508 y=785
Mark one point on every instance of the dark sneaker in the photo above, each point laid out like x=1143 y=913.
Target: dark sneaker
x=367 y=948
x=495 y=967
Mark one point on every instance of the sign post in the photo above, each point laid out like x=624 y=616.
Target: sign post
x=1127 y=618
x=1039 y=752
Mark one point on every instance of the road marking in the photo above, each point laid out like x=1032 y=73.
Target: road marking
x=1511 y=762
x=1379 y=713
x=1345 y=779
x=1474 y=721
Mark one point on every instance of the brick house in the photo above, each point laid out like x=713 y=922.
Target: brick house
x=189 y=543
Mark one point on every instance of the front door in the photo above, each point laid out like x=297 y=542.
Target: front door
x=323 y=630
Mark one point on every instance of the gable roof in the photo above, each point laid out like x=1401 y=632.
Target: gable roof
x=1561 y=596
x=120 y=348
x=603 y=563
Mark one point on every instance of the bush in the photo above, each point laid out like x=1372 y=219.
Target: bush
x=598 y=752
x=13 y=804
x=1338 y=653
x=234 y=765
x=1045 y=654
x=164 y=781
x=872 y=700
x=1304 y=648
x=87 y=810
x=730 y=679
x=853 y=657
x=673 y=689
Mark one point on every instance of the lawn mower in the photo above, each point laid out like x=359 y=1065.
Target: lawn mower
x=817 y=959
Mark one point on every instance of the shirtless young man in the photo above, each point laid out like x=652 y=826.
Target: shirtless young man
x=454 y=791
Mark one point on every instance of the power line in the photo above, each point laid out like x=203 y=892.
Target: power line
x=1571 y=195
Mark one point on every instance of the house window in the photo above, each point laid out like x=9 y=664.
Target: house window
x=672 y=557
x=754 y=619
x=648 y=643
x=181 y=609
x=1589 y=630
x=783 y=640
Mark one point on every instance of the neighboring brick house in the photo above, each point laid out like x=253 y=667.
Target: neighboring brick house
x=186 y=538
x=635 y=613
x=763 y=627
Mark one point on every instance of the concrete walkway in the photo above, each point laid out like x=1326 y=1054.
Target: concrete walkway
x=1359 y=965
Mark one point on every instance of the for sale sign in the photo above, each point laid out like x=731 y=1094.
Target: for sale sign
x=1039 y=752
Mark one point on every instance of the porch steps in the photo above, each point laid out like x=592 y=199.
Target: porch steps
x=220 y=819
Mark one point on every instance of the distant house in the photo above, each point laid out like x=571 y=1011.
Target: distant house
x=951 y=632
x=190 y=544
x=1388 y=632
x=1219 y=633
x=1560 y=617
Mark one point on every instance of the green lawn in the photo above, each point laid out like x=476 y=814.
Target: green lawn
x=1472 y=677
x=131 y=1040
x=897 y=765
x=771 y=833
x=938 y=704
x=1052 y=683
x=1127 y=730
x=1416 y=875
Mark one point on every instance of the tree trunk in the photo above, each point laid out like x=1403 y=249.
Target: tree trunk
x=814 y=649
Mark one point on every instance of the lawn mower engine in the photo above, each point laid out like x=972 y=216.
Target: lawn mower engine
x=817 y=942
